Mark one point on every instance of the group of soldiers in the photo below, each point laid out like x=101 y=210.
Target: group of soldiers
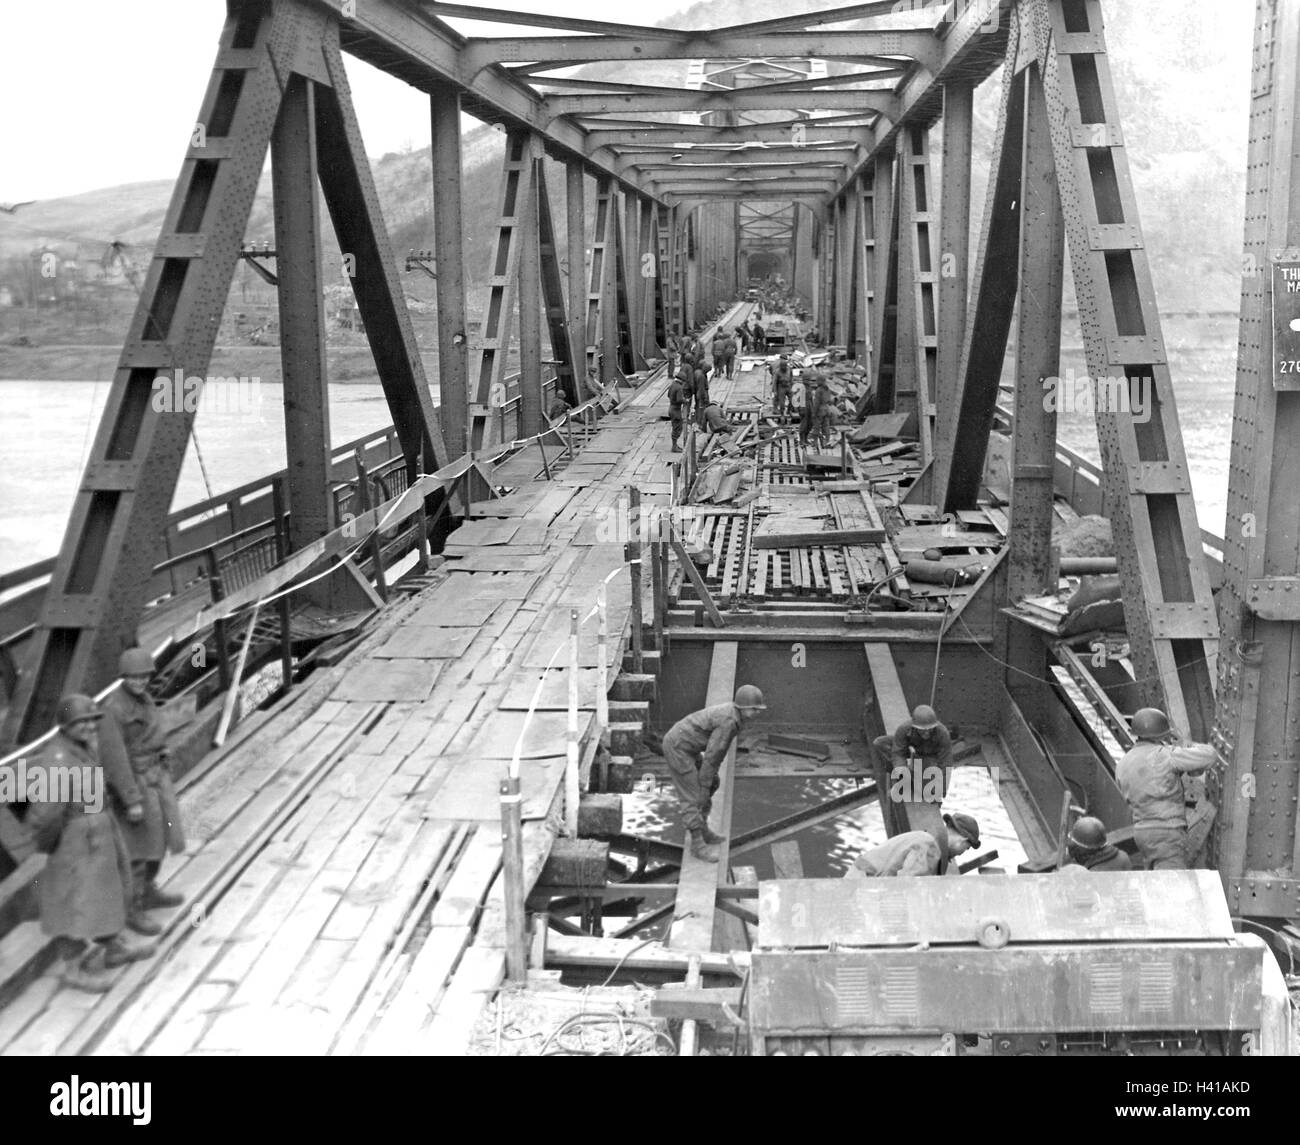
x=690 y=385
x=105 y=847
x=817 y=410
x=1149 y=777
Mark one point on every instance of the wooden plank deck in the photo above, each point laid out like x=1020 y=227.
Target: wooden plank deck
x=323 y=831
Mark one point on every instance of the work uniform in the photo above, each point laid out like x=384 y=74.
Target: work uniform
x=806 y=409
x=911 y=853
x=701 y=384
x=85 y=888
x=677 y=401
x=1107 y=858
x=713 y=420
x=760 y=337
x=132 y=742
x=694 y=748
x=783 y=382
x=729 y=356
x=893 y=766
x=823 y=411
x=1150 y=779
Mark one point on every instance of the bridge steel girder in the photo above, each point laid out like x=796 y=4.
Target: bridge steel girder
x=96 y=593
x=530 y=296
x=553 y=299
x=489 y=369
x=398 y=38
x=961 y=451
x=954 y=248
x=1257 y=833
x=449 y=246
x=706 y=102
x=917 y=44
x=1038 y=354
x=1170 y=613
x=648 y=135
x=575 y=204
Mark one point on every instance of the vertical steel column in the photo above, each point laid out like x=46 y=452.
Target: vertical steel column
x=622 y=311
x=646 y=274
x=301 y=294
x=954 y=249
x=1258 y=829
x=498 y=313
x=553 y=292
x=449 y=247
x=923 y=331
x=1038 y=354
x=844 y=238
x=884 y=315
x=632 y=266
x=602 y=281
x=864 y=271
x=576 y=210
x=530 y=300
x=960 y=454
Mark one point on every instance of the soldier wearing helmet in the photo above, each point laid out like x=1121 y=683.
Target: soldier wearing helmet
x=783 y=384
x=915 y=853
x=912 y=765
x=85 y=887
x=1150 y=777
x=134 y=748
x=1089 y=847
x=694 y=748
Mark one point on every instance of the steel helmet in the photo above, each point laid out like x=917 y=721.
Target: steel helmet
x=747 y=696
x=76 y=707
x=135 y=662
x=923 y=716
x=1150 y=723
x=1088 y=834
x=966 y=826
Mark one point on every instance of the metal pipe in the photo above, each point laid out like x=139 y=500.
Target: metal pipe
x=572 y=778
x=634 y=558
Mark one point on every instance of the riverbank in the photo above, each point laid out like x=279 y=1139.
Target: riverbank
x=96 y=363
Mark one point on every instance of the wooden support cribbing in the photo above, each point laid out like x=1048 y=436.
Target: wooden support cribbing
x=600 y=816
x=512 y=862
x=693 y=575
x=633 y=556
x=689 y=1040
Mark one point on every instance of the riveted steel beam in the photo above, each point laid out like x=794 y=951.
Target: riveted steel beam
x=702 y=102
x=917 y=44
x=629 y=136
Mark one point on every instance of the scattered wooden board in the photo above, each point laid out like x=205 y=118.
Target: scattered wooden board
x=424 y=642
x=379 y=681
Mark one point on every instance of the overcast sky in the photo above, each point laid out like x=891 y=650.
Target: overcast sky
x=100 y=92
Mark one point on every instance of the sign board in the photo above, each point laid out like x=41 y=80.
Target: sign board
x=1286 y=324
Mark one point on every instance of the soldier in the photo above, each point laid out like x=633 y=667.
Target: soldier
x=729 y=356
x=1150 y=777
x=823 y=411
x=700 y=384
x=901 y=772
x=1090 y=849
x=918 y=852
x=695 y=747
x=713 y=420
x=677 y=403
x=85 y=887
x=782 y=382
x=134 y=750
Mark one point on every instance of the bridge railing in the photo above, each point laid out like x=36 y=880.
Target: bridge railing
x=1079 y=481
x=232 y=536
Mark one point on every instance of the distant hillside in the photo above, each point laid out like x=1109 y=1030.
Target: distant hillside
x=1183 y=82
